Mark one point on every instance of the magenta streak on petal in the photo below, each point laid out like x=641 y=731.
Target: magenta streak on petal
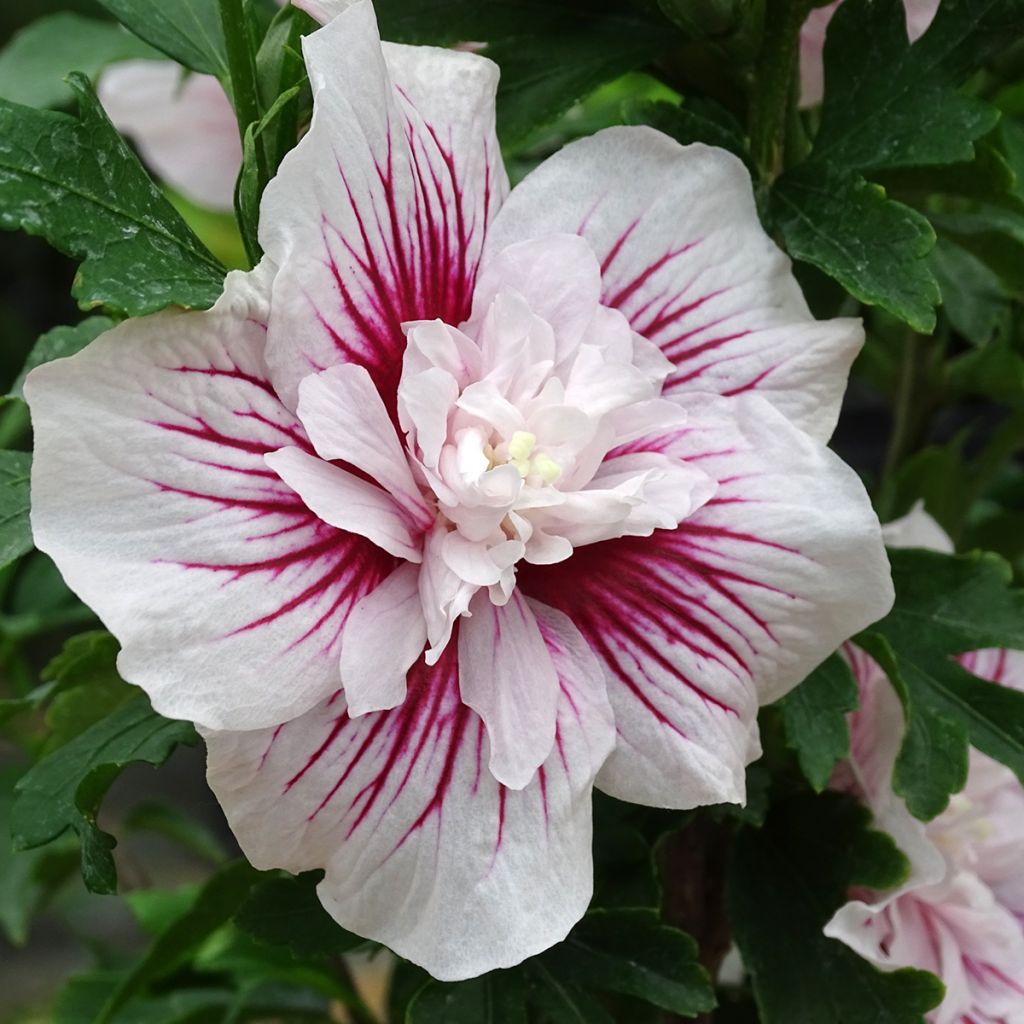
x=984 y=971
x=630 y=288
x=231 y=373
x=622 y=606
x=616 y=248
x=416 y=261
x=338 y=565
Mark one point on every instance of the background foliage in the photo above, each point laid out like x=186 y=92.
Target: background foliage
x=901 y=200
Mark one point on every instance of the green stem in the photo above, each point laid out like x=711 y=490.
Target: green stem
x=244 y=90
x=775 y=91
x=906 y=415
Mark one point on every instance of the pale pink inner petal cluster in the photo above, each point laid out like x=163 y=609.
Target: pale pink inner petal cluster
x=960 y=915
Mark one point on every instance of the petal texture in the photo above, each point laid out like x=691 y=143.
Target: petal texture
x=423 y=850
x=377 y=216
x=684 y=257
x=698 y=626
x=151 y=493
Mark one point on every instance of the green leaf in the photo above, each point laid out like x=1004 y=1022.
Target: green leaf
x=872 y=246
x=814 y=715
x=215 y=904
x=28 y=877
x=695 y=119
x=561 y=1002
x=15 y=532
x=785 y=882
x=34 y=64
x=973 y=297
x=59 y=343
x=189 y=31
x=889 y=104
x=76 y=183
x=87 y=686
x=285 y=911
x=632 y=953
x=495 y=998
x=64 y=790
x=551 y=55
x=947 y=605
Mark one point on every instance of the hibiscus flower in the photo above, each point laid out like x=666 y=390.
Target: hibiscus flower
x=960 y=914
x=464 y=500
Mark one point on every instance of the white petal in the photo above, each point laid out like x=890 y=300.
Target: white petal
x=424 y=402
x=377 y=217
x=698 y=626
x=917 y=529
x=183 y=124
x=557 y=275
x=345 y=501
x=423 y=850
x=507 y=676
x=684 y=256
x=384 y=636
x=346 y=419
x=151 y=494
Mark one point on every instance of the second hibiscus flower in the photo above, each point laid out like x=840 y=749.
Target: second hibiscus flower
x=463 y=501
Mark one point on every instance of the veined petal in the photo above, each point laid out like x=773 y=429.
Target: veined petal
x=506 y=675
x=344 y=501
x=684 y=257
x=383 y=639
x=377 y=216
x=151 y=494
x=183 y=124
x=345 y=419
x=400 y=809
x=698 y=626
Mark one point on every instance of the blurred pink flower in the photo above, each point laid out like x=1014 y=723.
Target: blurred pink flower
x=183 y=125
x=960 y=915
x=812 y=43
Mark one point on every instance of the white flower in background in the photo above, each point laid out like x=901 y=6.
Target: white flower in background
x=960 y=915
x=464 y=500
x=183 y=125
x=812 y=43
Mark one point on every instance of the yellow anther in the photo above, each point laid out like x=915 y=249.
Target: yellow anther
x=546 y=468
x=521 y=445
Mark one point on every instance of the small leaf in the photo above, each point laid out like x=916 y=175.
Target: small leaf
x=35 y=63
x=785 y=882
x=27 y=877
x=814 y=715
x=15 y=531
x=889 y=104
x=60 y=343
x=64 y=790
x=188 y=31
x=495 y=998
x=285 y=911
x=632 y=953
x=948 y=605
x=87 y=686
x=76 y=183
x=214 y=905
x=871 y=245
